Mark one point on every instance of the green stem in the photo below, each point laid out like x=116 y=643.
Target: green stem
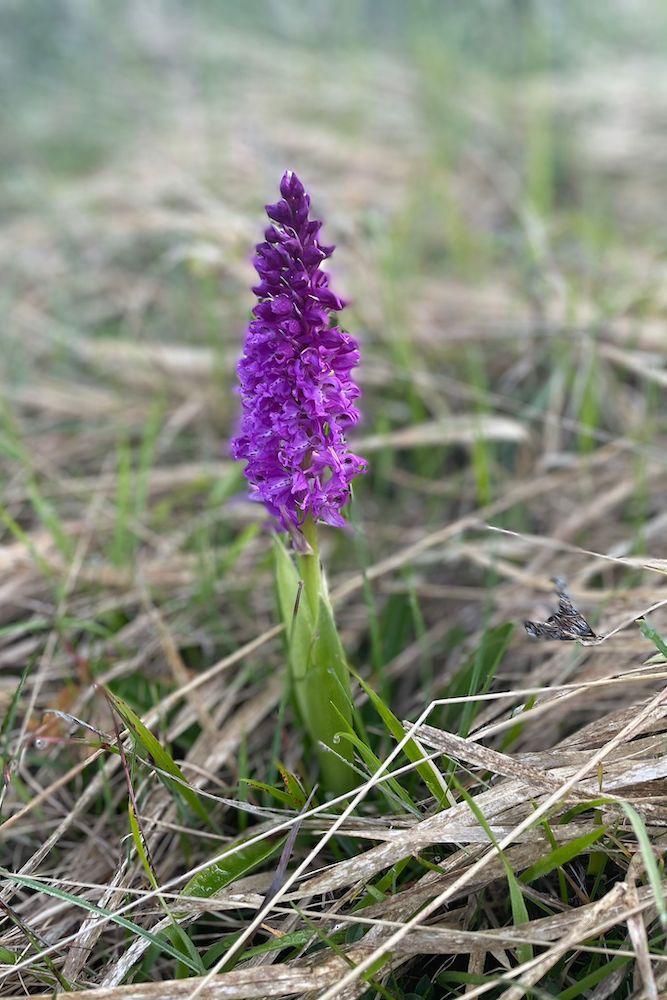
x=319 y=669
x=311 y=569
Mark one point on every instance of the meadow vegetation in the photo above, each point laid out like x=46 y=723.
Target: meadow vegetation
x=493 y=177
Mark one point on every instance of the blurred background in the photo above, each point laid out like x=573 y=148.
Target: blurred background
x=493 y=175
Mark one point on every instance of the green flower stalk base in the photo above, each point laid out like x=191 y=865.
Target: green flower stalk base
x=318 y=668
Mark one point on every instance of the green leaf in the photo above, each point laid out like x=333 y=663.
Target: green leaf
x=519 y=912
x=292 y=796
x=10 y=714
x=328 y=650
x=374 y=763
x=295 y=939
x=161 y=757
x=123 y=542
x=276 y=793
x=22 y=536
x=517 y=902
x=426 y=769
x=389 y=881
x=585 y=984
x=299 y=625
x=35 y=624
x=513 y=734
x=6 y=753
x=648 y=857
x=469 y=978
x=561 y=855
x=294 y=787
x=654 y=636
x=149 y=440
x=236 y=863
x=116 y=918
x=483 y=669
x=326 y=694
x=38 y=948
x=49 y=518
x=562 y=881
x=319 y=671
x=139 y=845
x=175 y=933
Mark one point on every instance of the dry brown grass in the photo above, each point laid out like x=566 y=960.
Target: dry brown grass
x=126 y=301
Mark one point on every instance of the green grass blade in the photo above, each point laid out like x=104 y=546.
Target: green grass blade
x=139 y=845
x=284 y=798
x=161 y=757
x=145 y=461
x=50 y=890
x=319 y=671
x=654 y=636
x=295 y=939
x=175 y=933
x=22 y=536
x=584 y=985
x=517 y=902
x=648 y=857
x=374 y=764
x=425 y=768
x=296 y=615
x=561 y=855
x=49 y=518
x=294 y=787
x=10 y=714
x=38 y=947
x=233 y=866
x=486 y=660
x=123 y=542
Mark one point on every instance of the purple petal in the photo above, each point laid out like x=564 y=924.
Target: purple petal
x=295 y=374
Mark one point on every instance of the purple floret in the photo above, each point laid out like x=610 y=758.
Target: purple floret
x=295 y=374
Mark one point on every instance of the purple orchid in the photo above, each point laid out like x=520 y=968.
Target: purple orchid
x=295 y=374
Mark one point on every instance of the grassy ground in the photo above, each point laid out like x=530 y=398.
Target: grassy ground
x=493 y=177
